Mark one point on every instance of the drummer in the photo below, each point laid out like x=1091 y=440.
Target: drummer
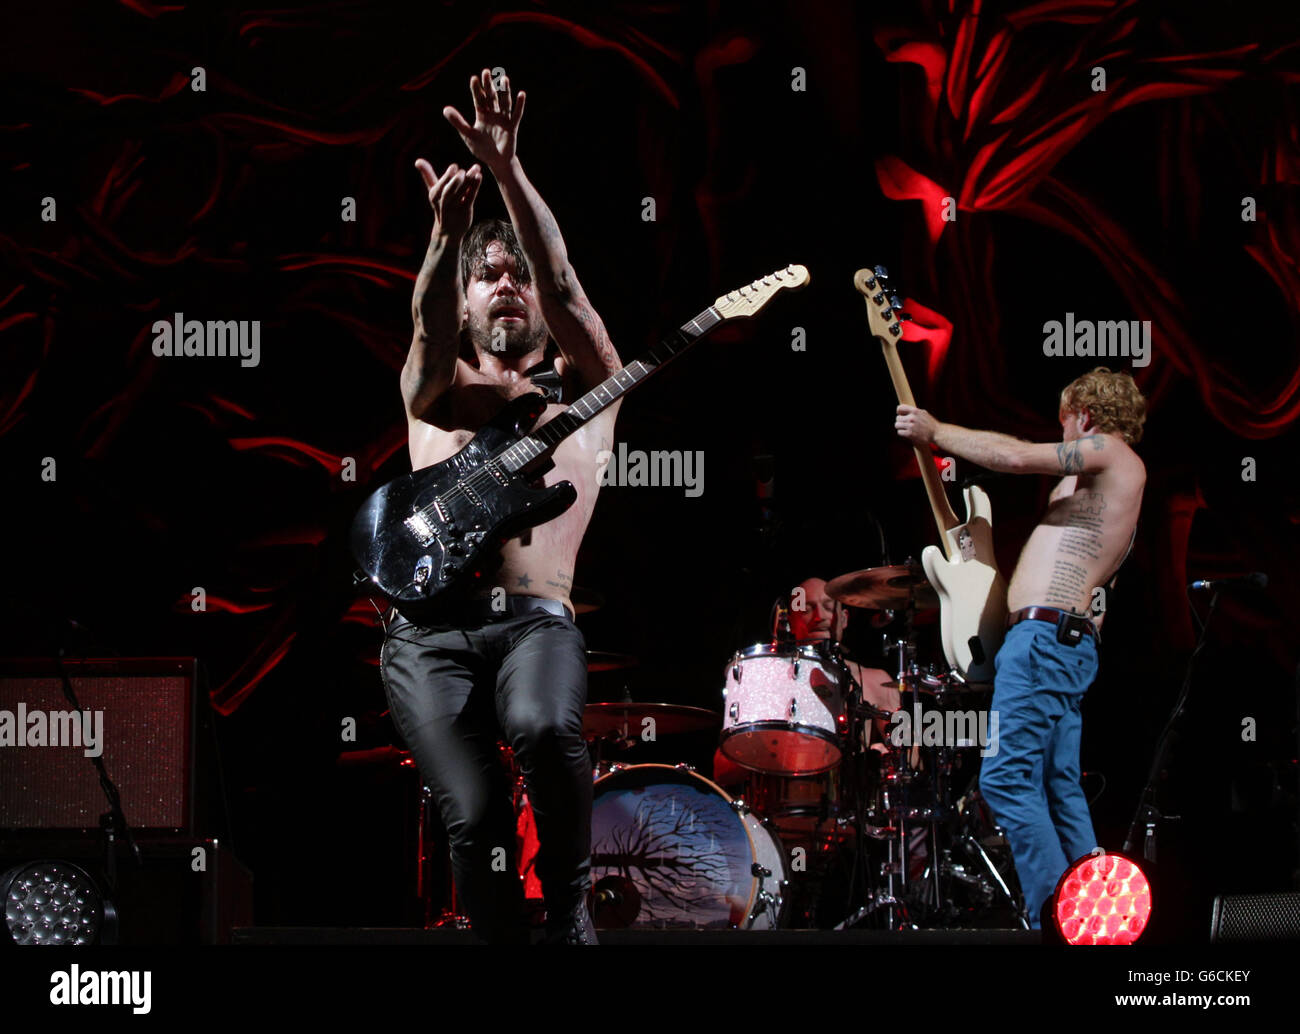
x=815 y=617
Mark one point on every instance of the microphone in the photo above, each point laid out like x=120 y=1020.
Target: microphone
x=1256 y=578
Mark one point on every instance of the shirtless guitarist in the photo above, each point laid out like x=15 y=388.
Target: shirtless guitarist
x=509 y=663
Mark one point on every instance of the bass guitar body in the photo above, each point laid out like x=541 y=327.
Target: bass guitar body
x=972 y=593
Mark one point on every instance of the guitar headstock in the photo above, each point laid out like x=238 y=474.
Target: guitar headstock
x=883 y=314
x=747 y=300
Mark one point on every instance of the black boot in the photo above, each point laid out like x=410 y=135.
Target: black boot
x=573 y=927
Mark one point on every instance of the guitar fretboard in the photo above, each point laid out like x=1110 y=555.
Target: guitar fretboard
x=606 y=393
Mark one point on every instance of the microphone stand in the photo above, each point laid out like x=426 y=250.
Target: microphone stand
x=1148 y=816
x=112 y=822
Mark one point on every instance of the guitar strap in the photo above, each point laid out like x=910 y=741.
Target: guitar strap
x=544 y=375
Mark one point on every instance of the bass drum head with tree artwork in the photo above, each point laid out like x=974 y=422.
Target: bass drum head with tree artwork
x=669 y=850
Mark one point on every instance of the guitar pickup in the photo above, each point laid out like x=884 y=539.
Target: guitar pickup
x=473 y=496
x=420 y=528
x=495 y=470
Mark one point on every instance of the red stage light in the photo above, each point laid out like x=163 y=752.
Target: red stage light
x=1102 y=899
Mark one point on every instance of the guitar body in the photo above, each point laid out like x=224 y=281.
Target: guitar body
x=972 y=594
x=431 y=534
x=428 y=538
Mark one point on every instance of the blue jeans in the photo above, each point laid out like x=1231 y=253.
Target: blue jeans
x=1031 y=784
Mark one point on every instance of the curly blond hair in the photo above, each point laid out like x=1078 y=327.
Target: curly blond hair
x=1113 y=400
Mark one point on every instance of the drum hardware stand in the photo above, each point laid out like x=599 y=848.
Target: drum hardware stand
x=973 y=848
x=963 y=838
x=764 y=899
x=897 y=912
x=902 y=772
x=989 y=880
x=448 y=917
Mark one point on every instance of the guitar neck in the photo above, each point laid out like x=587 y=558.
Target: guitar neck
x=944 y=518
x=609 y=391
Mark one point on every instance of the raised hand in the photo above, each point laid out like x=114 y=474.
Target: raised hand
x=451 y=196
x=491 y=139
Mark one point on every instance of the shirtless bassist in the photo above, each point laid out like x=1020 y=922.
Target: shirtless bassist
x=1049 y=656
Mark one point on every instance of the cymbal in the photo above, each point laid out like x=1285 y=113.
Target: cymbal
x=884 y=588
x=603 y=660
x=626 y=718
x=585 y=600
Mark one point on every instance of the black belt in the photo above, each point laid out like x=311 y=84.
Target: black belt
x=485 y=608
x=514 y=606
x=1074 y=625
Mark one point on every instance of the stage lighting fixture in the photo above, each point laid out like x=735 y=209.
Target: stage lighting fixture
x=1102 y=899
x=55 y=902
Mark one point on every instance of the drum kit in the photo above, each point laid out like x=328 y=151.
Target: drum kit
x=830 y=818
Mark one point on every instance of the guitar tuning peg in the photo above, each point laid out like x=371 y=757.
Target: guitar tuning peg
x=871 y=283
x=894 y=301
x=903 y=315
x=882 y=272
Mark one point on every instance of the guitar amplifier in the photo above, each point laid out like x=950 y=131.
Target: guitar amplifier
x=146 y=719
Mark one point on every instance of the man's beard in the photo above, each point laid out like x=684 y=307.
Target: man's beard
x=510 y=341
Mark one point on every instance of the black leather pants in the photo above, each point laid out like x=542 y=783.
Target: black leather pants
x=454 y=692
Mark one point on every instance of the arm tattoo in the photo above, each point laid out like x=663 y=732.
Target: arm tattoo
x=548 y=228
x=1067 y=455
x=599 y=339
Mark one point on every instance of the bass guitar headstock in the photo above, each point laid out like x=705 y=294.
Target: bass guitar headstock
x=883 y=313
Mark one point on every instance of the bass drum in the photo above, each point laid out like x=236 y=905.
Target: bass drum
x=670 y=850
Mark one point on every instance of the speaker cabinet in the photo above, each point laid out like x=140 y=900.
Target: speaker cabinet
x=147 y=718
x=1255 y=918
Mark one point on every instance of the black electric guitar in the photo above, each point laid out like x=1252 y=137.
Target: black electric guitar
x=429 y=534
